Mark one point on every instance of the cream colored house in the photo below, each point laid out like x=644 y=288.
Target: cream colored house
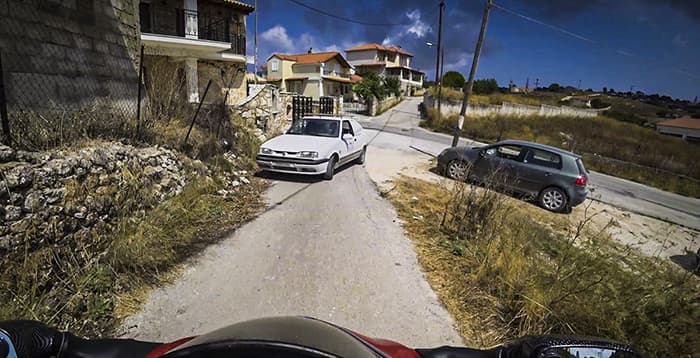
x=190 y=42
x=387 y=61
x=311 y=74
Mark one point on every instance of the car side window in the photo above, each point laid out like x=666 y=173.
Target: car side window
x=511 y=152
x=347 y=128
x=356 y=128
x=544 y=158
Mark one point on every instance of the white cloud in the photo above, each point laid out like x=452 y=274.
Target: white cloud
x=418 y=27
x=277 y=37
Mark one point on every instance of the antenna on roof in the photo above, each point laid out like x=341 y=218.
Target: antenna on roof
x=310 y=49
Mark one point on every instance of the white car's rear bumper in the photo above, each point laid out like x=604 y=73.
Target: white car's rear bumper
x=292 y=165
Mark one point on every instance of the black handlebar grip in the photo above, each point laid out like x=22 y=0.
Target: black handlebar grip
x=4 y=349
x=32 y=339
x=76 y=347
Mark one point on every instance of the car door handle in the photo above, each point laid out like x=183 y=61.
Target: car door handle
x=547 y=174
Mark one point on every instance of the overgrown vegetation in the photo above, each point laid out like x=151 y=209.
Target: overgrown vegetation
x=375 y=86
x=639 y=154
x=73 y=282
x=456 y=96
x=505 y=269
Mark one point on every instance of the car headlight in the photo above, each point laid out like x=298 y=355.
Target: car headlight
x=264 y=150
x=308 y=155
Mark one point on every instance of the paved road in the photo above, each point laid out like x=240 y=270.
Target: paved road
x=625 y=194
x=332 y=250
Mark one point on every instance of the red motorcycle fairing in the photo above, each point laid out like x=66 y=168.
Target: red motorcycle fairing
x=293 y=336
x=390 y=348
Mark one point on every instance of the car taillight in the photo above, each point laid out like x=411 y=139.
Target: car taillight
x=581 y=180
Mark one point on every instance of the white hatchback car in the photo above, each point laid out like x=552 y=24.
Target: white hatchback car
x=315 y=145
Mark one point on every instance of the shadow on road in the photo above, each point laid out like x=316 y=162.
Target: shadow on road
x=690 y=262
x=298 y=178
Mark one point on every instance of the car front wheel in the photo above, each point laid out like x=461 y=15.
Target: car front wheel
x=330 y=169
x=457 y=170
x=362 y=157
x=553 y=199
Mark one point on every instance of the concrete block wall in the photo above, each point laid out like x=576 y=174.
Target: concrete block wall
x=509 y=109
x=68 y=53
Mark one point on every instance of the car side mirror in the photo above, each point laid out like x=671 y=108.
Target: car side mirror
x=570 y=347
x=347 y=136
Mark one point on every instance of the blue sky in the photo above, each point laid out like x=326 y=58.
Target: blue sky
x=652 y=45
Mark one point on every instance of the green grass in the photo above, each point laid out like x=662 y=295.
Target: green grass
x=509 y=269
x=600 y=135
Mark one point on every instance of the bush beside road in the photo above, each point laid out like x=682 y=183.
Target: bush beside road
x=505 y=268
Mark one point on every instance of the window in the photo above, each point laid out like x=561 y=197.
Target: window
x=347 y=128
x=274 y=65
x=543 y=158
x=511 y=152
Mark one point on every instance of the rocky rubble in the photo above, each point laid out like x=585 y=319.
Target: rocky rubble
x=54 y=195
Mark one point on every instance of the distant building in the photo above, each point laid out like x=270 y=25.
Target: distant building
x=685 y=127
x=387 y=61
x=311 y=74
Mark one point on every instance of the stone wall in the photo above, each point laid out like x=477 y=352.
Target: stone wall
x=375 y=107
x=268 y=108
x=69 y=52
x=59 y=195
x=225 y=77
x=509 y=109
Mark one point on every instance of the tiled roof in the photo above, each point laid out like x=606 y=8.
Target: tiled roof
x=337 y=79
x=241 y=5
x=683 y=122
x=355 y=78
x=374 y=46
x=307 y=58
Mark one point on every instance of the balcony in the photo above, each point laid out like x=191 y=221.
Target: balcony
x=331 y=73
x=192 y=25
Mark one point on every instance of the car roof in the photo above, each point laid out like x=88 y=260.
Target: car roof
x=539 y=146
x=332 y=118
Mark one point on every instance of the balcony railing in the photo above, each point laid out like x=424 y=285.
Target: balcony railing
x=332 y=73
x=191 y=24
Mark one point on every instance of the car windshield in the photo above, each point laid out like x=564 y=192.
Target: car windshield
x=315 y=127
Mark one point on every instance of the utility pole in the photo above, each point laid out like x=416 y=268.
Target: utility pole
x=255 y=51
x=537 y=83
x=442 y=68
x=579 y=85
x=438 y=76
x=475 y=63
x=527 y=85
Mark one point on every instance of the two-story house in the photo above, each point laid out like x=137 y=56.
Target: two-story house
x=386 y=61
x=311 y=74
x=193 y=41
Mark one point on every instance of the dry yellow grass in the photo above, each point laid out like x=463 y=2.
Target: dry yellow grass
x=542 y=273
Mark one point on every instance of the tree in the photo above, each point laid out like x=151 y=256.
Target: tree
x=554 y=87
x=485 y=86
x=453 y=79
x=370 y=86
x=392 y=85
x=605 y=90
x=612 y=90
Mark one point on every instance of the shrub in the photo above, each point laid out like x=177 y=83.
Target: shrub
x=485 y=86
x=453 y=79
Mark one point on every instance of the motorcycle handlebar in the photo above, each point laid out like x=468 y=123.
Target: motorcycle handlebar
x=105 y=348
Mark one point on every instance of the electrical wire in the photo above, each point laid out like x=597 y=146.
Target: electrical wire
x=345 y=18
x=586 y=39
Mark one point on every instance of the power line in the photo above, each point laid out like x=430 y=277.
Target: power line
x=557 y=28
x=586 y=39
x=345 y=18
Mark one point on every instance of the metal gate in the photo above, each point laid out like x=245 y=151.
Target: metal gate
x=301 y=106
x=325 y=105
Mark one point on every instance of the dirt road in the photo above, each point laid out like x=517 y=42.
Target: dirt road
x=333 y=250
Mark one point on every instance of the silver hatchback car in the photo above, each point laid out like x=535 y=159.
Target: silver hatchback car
x=557 y=178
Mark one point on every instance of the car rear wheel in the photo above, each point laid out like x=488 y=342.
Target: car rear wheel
x=457 y=170
x=553 y=199
x=362 y=157
x=330 y=169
